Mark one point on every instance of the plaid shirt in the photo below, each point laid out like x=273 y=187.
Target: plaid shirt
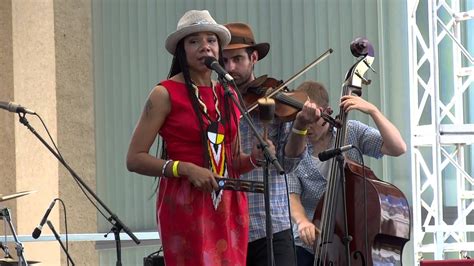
x=309 y=178
x=278 y=133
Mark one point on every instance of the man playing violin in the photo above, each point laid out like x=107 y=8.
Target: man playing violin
x=240 y=57
x=308 y=183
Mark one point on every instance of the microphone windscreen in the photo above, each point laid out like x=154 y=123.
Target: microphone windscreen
x=36 y=233
x=208 y=60
x=266 y=109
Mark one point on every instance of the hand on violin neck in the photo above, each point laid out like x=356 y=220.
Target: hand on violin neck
x=310 y=113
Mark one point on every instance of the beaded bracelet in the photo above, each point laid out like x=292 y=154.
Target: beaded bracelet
x=299 y=132
x=175 y=169
x=163 y=169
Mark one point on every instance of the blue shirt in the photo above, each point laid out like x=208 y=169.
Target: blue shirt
x=309 y=179
x=278 y=133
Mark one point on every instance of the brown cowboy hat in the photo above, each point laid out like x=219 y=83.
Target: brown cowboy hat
x=242 y=37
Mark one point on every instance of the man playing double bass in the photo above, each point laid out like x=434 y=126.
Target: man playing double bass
x=240 y=57
x=308 y=183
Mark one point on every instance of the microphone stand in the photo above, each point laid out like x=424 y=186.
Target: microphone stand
x=270 y=158
x=117 y=224
x=5 y=251
x=58 y=238
x=347 y=238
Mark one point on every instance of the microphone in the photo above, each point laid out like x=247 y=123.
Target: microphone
x=15 y=108
x=213 y=64
x=37 y=232
x=328 y=154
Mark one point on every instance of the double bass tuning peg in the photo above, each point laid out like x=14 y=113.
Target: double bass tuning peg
x=364 y=80
x=369 y=66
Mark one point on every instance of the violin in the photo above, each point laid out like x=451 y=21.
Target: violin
x=287 y=103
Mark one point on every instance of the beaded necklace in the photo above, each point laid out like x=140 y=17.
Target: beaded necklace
x=215 y=143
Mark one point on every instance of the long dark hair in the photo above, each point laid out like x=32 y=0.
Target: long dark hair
x=180 y=64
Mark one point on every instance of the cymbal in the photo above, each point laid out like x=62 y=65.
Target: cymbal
x=10 y=261
x=15 y=195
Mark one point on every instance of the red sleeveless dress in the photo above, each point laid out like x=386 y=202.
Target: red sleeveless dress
x=191 y=230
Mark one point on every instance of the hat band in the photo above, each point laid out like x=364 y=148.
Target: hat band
x=201 y=22
x=242 y=40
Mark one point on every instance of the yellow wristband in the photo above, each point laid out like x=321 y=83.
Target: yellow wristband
x=175 y=168
x=299 y=132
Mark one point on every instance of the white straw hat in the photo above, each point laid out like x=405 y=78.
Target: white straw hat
x=196 y=21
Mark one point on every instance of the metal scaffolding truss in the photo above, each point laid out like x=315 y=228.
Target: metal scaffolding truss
x=441 y=73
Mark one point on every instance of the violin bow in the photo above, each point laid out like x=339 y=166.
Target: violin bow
x=297 y=75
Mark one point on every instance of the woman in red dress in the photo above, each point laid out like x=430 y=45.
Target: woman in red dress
x=198 y=224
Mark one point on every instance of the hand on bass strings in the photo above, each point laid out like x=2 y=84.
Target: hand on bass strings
x=308 y=114
x=201 y=178
x=308 y=232
x=350 y=102
x=393 y=143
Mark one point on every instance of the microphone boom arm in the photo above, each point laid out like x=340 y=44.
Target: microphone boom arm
x=117 y=224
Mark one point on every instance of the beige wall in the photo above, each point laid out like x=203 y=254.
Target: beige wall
x=7 y=133
x=75 y=107
x=46 y=53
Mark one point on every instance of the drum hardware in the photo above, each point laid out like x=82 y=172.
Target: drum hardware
x=5 y=216
x=15 y=195
x=11 y=262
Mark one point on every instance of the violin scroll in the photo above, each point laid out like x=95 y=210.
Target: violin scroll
x=326 y=115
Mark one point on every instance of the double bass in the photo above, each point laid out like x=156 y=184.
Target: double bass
x=363 y=220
